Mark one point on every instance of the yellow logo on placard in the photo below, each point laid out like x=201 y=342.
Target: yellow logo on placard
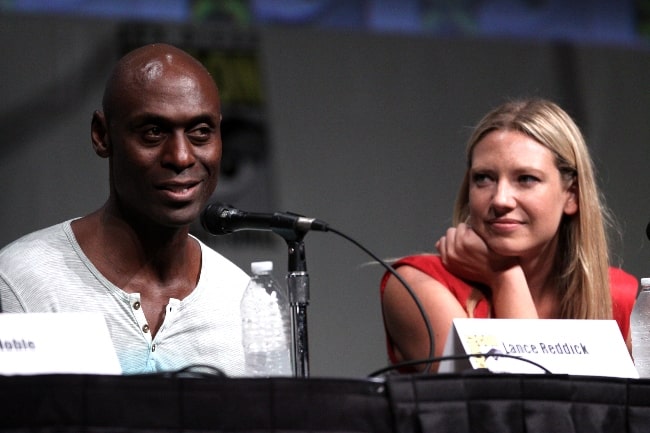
x=480 y=344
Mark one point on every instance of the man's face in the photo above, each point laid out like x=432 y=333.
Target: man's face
x=165 y=144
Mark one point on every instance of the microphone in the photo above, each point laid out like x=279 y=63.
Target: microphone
x=221 y=219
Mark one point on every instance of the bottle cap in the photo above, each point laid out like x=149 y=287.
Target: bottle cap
x=645 y=283
x=262 y=267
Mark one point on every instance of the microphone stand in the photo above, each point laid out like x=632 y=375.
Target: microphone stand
x=298 y=288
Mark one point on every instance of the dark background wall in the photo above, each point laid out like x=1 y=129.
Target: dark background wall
x=365 y=131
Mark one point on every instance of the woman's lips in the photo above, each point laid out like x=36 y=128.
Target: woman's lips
x=504 y=225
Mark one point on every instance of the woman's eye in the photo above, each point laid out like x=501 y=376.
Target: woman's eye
x=480 y=178
x=528 y=179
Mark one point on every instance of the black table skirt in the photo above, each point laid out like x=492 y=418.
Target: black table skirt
x=403 y=404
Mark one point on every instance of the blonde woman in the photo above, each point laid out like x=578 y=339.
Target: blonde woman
x=528 y=241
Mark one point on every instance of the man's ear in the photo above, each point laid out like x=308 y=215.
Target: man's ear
x=571 y=205
x=99 y=135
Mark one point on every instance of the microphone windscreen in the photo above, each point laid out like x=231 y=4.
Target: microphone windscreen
x=211 y=219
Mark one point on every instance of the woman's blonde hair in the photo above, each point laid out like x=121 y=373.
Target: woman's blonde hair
x=581 y=266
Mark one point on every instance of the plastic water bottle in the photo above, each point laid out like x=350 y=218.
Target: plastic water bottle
x=266 y=324
x=640 y=326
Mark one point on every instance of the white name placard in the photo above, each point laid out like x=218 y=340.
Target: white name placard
x=579 y=347
x=51 y=343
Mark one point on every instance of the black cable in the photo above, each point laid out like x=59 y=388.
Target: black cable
x=390 y=269
x=455 y=357
x=193 y=370
x=200 y=370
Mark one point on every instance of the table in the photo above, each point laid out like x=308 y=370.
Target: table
x=471 y=402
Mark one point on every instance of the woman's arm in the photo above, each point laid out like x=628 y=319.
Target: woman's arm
x=404 y=323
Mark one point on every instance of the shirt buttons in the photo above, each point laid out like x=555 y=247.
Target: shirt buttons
x=153 y=347
x=145 y=328
x=136 y=305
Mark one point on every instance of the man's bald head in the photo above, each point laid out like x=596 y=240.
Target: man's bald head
x=143 y=67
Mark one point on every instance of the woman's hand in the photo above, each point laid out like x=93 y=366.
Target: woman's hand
x=467 y=255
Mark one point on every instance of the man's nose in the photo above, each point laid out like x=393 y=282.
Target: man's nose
x=178 y=152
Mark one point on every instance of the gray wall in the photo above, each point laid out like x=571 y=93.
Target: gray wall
x=367 y=133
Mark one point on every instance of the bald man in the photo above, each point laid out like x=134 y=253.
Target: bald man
x=169 y=301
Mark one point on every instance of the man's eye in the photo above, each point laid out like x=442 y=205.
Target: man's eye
x=154 y=131
x=153 y=134
x=202 y=133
